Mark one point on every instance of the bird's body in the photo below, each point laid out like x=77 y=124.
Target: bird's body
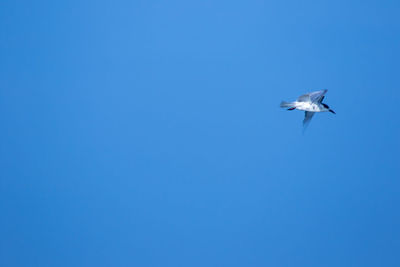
x=310 y=103
x=310 y=106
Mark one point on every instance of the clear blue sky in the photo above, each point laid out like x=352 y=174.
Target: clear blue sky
x=149 y=133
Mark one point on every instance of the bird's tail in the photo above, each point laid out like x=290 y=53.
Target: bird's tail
x=287 y=104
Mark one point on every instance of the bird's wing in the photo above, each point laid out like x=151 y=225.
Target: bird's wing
x=304 y=98
x=307 y=118
x=318 y=96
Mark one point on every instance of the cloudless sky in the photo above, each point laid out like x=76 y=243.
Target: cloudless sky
x=149 y=133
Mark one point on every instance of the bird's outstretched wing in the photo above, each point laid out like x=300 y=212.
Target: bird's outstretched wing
x=316 y=96
x=307 y=118
x=304 y=98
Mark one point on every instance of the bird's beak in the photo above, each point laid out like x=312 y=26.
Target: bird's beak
x=332 y=111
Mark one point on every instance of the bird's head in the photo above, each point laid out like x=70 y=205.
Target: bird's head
x=327 y=107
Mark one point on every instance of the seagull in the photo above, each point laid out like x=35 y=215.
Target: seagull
x=310 y=103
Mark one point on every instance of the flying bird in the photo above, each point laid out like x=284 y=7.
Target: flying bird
x=310 y=103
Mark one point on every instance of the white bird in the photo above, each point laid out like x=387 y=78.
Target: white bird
x=310 y=103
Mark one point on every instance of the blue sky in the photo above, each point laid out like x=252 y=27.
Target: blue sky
x=149 y=133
